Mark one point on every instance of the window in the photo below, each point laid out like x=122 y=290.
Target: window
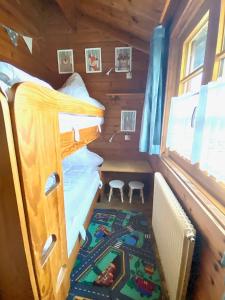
x=196 y=134
x=181 y=130
x=182 y=113
x=194 y=137
x=197 y=128
x=219 y=69
x=193 y=58
x=212 y=132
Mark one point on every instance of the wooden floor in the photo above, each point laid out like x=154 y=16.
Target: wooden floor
x=136 y=204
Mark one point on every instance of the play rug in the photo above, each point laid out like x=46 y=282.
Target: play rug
x=116 y=261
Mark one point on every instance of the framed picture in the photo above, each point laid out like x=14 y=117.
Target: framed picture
x=123 y=59
x=65 y=61
x=93 y=60
x=128 y=120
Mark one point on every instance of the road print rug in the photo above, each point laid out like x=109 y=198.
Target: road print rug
x=116 y=261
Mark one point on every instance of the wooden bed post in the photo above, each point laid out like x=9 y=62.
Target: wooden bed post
x=17 y=276
x=37 y=234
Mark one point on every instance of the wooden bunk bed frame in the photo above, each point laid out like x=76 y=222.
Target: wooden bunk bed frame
x=32 y=148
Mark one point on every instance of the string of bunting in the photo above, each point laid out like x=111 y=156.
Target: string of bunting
x=13 y=35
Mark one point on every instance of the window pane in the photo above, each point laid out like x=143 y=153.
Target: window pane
x=194 y=84
x=222 y=68
x=197 y=50
x=180 y=132
x=223 y=46
x=213 y=146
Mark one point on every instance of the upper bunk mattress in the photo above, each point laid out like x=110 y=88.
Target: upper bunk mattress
x=69 y=122
x=74 y=85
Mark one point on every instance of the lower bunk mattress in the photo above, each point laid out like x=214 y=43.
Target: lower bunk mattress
x=80 y=187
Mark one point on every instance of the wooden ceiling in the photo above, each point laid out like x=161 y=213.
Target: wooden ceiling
x=128 y=21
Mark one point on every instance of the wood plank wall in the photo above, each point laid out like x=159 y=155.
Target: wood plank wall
x=24 y=18
x=99 y=84
x=21 y=57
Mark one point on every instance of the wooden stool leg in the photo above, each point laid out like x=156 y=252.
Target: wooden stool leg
x=131 y=195
x=142 y=196
x=110 y=193
x=121 y=193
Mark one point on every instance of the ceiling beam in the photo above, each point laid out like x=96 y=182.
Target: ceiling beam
x=70 y=10
x=170 y=9
x=165 y=10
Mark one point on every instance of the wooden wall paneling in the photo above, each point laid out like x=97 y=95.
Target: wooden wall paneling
x=119 y=148
x=55 y=21
x=182 y=20
x=22 y=16
x=99 y=84
x=148 y=9
x=21 y=57
x=70 y=8
x=17 y=278
x=122 y=20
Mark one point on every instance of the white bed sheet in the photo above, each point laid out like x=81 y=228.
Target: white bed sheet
x=68 y=122
x=79 y=190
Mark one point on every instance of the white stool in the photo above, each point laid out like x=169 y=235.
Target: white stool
x=136 y=185
x=116 y=184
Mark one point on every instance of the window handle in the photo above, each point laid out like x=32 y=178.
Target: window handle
x=193 y=117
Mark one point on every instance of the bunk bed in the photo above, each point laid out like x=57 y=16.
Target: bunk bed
x=55 y=180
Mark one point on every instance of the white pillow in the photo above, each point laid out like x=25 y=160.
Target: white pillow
x=11 y=75
x=4 y=87
x=82 y=159
x=75 y=87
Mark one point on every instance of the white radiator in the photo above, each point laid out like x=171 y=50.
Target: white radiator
x=175 y=237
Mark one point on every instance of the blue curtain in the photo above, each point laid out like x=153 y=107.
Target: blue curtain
x=151 y=126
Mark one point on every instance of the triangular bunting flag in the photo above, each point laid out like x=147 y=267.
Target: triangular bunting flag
x=12 y=35
x=29 y=42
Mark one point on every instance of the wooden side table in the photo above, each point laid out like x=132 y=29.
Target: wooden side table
x=124 y=166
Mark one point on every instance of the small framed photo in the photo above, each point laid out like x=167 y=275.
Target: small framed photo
x=128 y=120
x=65 y=61
x=123 y=59
x=93 y=60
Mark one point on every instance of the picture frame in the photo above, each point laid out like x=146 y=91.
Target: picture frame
x=93 y=60
x=65 y=61
x=128 y=120
x=123 y=59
